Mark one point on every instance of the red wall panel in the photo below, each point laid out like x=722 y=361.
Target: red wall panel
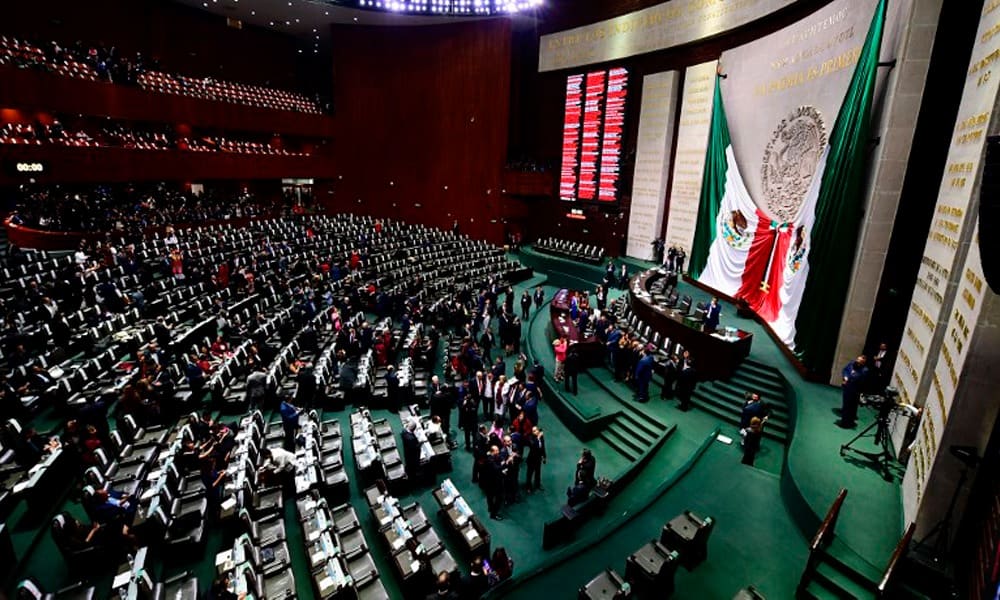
x=422 y=116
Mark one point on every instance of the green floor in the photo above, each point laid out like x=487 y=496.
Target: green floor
x=759 y=538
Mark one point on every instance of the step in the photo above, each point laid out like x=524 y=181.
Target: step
x=749 y=382
x=850 y=561
x=628 y=436
x=762 y=369
x=645 y=424
x=729 y=394
x=734 y=411
x=818 y=590
x=841 y=582
x=612 y=439
x=774 y=432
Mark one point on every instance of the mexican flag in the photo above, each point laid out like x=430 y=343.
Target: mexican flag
x=793 y=273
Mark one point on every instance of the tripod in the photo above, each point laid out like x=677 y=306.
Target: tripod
x=885 y=456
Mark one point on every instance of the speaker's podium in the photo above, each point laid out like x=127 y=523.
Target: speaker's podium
x=651 y=570
x=688 y=533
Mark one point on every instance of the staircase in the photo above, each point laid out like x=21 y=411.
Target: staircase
x=724 y=398
x=840 y=574
x=632 y=431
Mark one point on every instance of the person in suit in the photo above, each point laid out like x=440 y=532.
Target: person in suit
x=855 y=378
x=392 y=387
x=643 y=375
x=491 y=480
x=525 y=304
x=670 y=371
x=613 y=344
x=289 y=422
x=537 y=456
x=480 y=451
x=881 y=363
x=752 y=407
x=571 y=368
x=468 y=418
x=434 y=389
x=411 y=449
x=712 y=314
x=584 y=479
x=486 y=343
x=687 y=379
x=751 y=442
x=539 y=297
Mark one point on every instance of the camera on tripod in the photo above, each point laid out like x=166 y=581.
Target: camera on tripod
x=883 y=403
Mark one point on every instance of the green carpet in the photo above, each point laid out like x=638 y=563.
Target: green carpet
x=762 y=512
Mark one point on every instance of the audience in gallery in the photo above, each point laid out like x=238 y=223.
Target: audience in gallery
x=97 y=62
x=129 y=209
x=134 y=136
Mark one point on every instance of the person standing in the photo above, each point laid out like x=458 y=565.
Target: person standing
x=602 y=298
x=539 y=297
x=855 y=378
x=751 y=442
x=670 y=371
x=643 y=375
x=525 y=304
x=881 y=363
x=613 y=344
x=469 y=418
x=687 y=379
x=571 y=368
x=492 y=483
x=712 y=314
x=560 y=346
x=536 y=458
x=480 y=453
x=289 y=421
x=392 y=388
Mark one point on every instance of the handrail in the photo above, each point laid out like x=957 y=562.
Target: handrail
x=888 y=576
x=823 y=535
x=828 y=524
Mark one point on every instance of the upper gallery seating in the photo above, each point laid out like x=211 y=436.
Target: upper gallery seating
x=575 y=250
x=136 y=137
x=95 y=63
x=127 y=210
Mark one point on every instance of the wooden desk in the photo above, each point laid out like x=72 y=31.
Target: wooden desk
x=715 y=356
x=591 y=349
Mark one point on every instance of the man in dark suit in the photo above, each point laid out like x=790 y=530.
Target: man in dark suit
x=643 y=375
x=525 y=304
x=670 y=371
x=411 y=450
x=492 y=482
x=433 y=389
x=392 y=387
x=468 y=418
x=687 y=379
x=855 y=378
x=537 y=456
x=614 y=336
x=486 y=343
x=539 y=297
x=480 y=451
x=571 y=368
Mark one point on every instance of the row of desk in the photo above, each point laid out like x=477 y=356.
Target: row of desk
x=716 y=354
